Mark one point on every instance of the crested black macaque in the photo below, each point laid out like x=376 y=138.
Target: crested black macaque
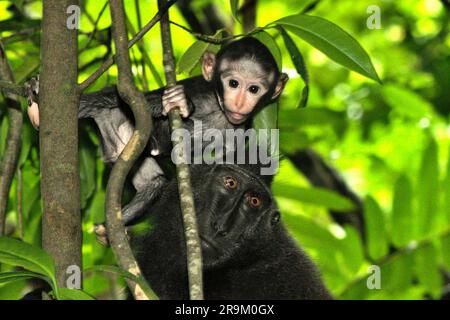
x=247 y=252
x=241 y=79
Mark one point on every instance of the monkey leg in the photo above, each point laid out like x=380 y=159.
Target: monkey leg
x=148 y=181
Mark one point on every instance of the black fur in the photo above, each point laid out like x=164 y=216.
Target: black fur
x=115 y=121
x=257 y=260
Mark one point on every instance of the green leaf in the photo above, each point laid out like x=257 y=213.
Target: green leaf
x=402 y=213
x=428 y=187
x=446 y=190
x=128 y=275
x=266 y=39
x=267 y=117
x=7 y=277
x=299 y=64
x=317 y=196
x=234 y=5
x=397 y=274
x=292 y=119
x=27 y=138
x=73 y=294
x=427 y=270
x=375 y=228
x=13 y=290
x=3 y=135
x=352 y=250
x=87 y=173
x=406 y=102
x=310 y=233
x=332 y=41
x=32 y=258
x=193 y=55
x=15 y=24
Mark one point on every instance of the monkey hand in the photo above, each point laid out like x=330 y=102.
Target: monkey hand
x=174 y=97
x=32 y=88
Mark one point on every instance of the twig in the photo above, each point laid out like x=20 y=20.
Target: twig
x=141 y=111
x=91 y=36
x=193 y=249
x=11 y=88
x=108 y=63
x=14 y=138
x=212 y=39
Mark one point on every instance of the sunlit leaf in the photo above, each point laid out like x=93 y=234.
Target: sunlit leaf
x=375 y=227
x=87 y=172
x=406 y=102
x=299 y=64
x=116 y=270
x=32 y=258
x=317 y=196
x=193 y=55
x=267 y=118
x=332 y=41
x=234 y=5
x=6 y=277
x=403 y=219
x=73 y=294
x=397 y=274
x=427 y=270
x=310 y=233
x=27 y=132
x=3 y=135
x=13 y=290
x=446 y=190
x=428 y=190
x=266 y=39
x=352 y=250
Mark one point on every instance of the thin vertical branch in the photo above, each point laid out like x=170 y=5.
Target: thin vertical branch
x=193 y=249
x=141 y=111
x=19 y=202
x=14 y=139
x=139 y=22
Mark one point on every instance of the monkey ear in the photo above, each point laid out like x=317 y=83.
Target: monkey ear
x=280 y=85
x=208 y=63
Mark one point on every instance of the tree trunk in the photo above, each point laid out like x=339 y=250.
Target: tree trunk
x=58 y=102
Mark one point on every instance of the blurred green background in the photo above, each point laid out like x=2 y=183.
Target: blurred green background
x=389 y=143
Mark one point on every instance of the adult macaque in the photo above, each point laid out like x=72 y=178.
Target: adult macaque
x=242 y=78
x=247 y=252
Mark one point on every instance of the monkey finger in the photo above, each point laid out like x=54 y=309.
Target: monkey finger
x=174 y=88
x=173 y=93
x=176 y=99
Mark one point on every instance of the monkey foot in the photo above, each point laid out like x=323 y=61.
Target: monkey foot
x=101 y=234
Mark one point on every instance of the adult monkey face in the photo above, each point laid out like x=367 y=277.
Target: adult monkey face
x=246 y=78
x=238 y=217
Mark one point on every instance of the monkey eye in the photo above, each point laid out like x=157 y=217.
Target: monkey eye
x=253 y=200
x=233 y=83
x=275 y=218
x=229 y=182
x=253 y=89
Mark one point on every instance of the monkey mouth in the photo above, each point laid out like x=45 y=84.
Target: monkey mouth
x=235 y=117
